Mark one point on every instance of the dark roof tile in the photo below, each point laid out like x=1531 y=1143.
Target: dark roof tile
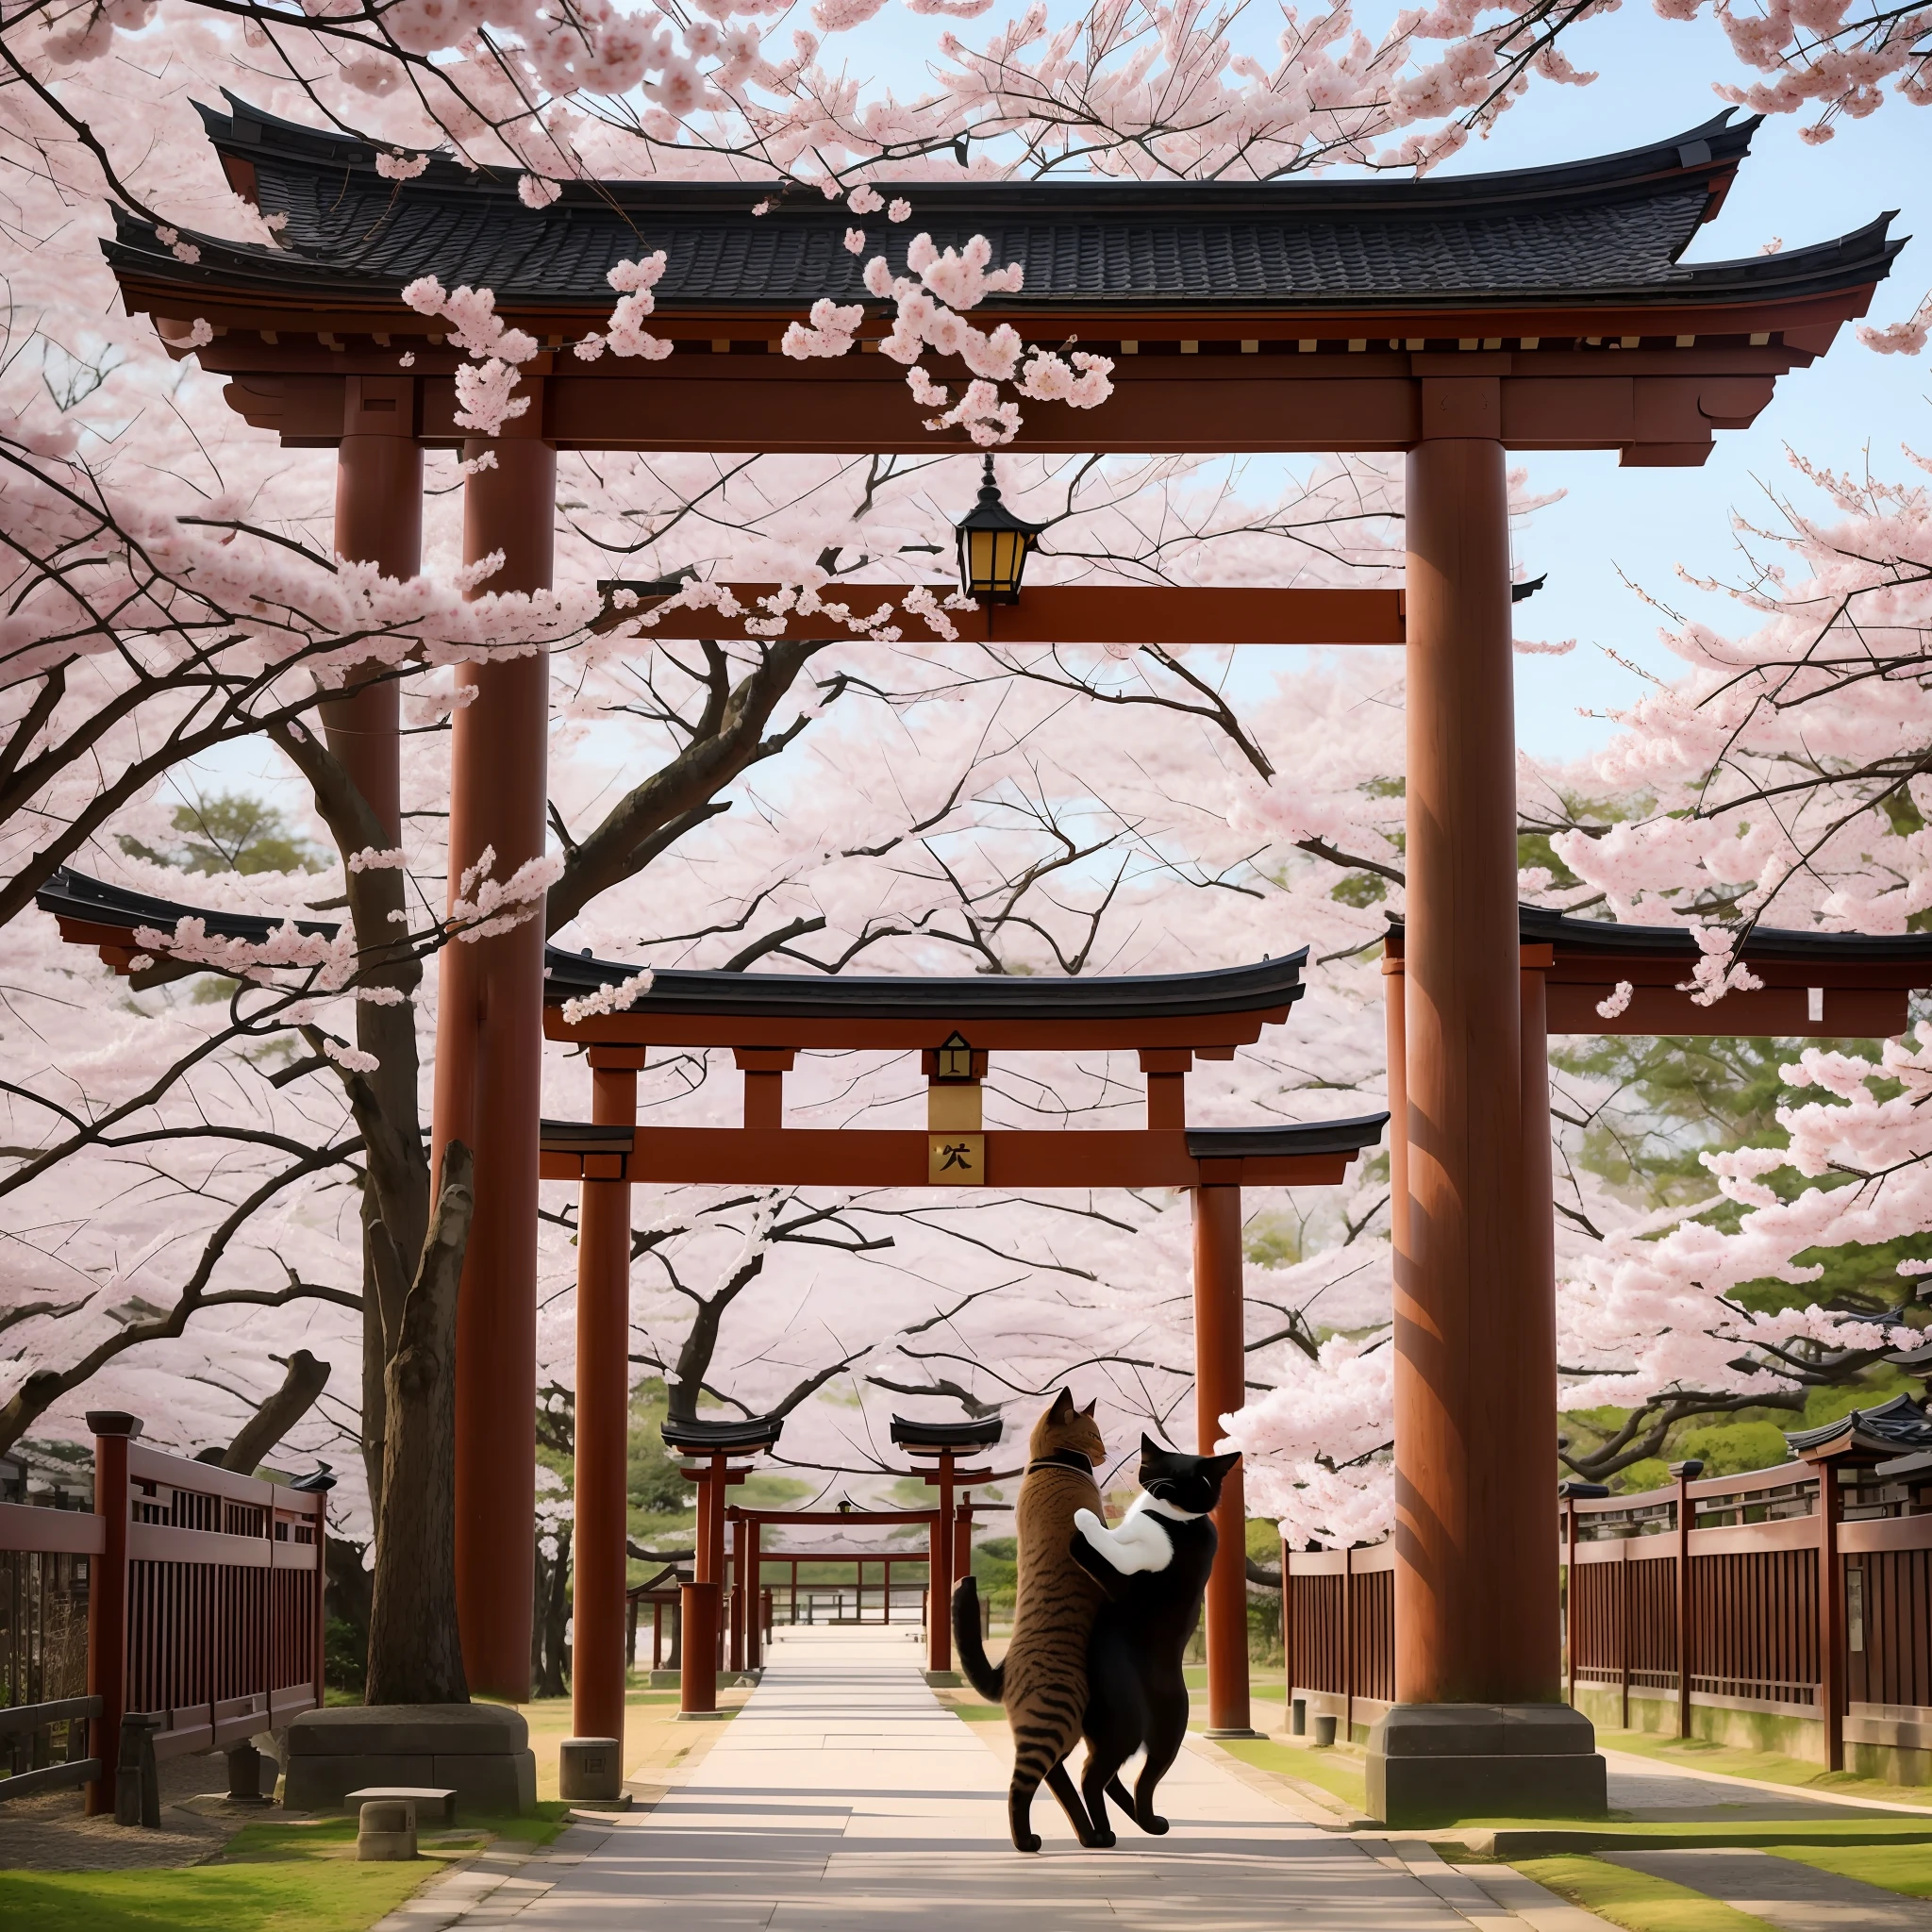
x=1615 y=226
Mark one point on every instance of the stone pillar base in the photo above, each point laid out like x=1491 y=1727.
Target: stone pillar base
x=1435 y=1763
x=590 y=1768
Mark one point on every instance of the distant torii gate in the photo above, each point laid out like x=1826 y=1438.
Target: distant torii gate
x=942 y=1445
x=1451 y=319
x=1170 y=1019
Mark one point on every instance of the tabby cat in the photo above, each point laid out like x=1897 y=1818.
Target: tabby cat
x=1153 y=1570
x=1042 y=1679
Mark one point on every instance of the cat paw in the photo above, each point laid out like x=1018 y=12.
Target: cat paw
x=1029 y=1843
x=1100 y=1841
x=1088 y=1525
x=1153 y=1825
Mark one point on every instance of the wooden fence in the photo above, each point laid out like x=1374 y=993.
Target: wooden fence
x=202 y=1592
x=1338 y=1634
x=1804 y=1592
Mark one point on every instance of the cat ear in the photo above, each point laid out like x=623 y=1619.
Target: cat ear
x=1062 y=1406
x=1221 y=1465
x=1087 y=1411
x=1149 y=1446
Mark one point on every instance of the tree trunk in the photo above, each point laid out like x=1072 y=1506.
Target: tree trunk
x=550 y=1655
x=416 y=1653
x=257 y=1436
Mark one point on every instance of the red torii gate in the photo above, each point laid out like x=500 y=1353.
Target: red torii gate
x=943 y=1445
x=1169 y=1020
x=1450 y=319
x=600 y=1653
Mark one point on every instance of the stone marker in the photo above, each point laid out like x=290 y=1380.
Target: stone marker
x=590 y=1768
x=386 y=1829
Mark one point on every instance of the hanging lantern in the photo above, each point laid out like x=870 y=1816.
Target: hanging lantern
x=954 y=1061
x=994 y=546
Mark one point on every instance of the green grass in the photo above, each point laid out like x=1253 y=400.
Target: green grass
x=1196 y=1675
x=1634 y=1899
x=543 y=1825
x=1693 y=1754
x=1897 y=1868
x=1335 y=1772
x=978 y=1713
x=279 y=1878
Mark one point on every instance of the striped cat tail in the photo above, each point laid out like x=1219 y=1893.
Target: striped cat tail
x=988 y=1679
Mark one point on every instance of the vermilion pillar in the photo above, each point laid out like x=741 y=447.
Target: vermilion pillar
x=1478 y=1728
x=1220 y=1364
x=379 y=521
x=489 y=1068
x=938 y=1574
x=741 y=1600
x=107 y=1623
x=599 y=1652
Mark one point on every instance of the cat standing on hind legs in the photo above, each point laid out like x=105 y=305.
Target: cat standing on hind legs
x=1154 y=1569
x=1042 y=1678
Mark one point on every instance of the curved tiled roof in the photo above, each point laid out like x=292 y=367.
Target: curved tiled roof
x=1270 y=985
x=727 y=1437
x=1540 y=926
x=1892 y=1427
x=1268 y=1143
x=1616 y=225
x=1764 y=942
x=70 y=894
x=980 y=1432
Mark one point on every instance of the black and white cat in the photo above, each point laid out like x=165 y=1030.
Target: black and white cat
x=1153 y=1572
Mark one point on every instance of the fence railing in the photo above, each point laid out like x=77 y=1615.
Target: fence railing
x=1338 y=1634
x=1800 y=1596
x=201 y=1595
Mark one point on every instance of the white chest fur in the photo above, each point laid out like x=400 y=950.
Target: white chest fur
x=1141 y=1542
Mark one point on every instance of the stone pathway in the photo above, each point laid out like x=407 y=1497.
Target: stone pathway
x=1782 y=1892
x=844 y=1798
x=1668 y=1794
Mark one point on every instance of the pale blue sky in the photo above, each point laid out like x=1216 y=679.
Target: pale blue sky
x=1656 y=80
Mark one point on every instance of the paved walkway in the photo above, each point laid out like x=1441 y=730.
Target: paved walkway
x=844 y=1797
x=1646 y=1787
x=1783 y=1892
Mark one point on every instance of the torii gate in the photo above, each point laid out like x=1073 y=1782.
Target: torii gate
x=955 y=1025
x=1451 y=319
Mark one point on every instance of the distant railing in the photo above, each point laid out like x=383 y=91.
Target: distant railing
x=202 y=1594
x=1806 y=1592
x=1338 y=1634
x=45 y=1560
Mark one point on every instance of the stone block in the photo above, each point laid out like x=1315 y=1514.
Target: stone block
x=386 y=1829
x=590 y=1768
x=1434 y=1763
x=480 y=1751
x=425 y=1801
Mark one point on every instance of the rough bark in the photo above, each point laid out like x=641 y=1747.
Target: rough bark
x=415 y=1654
x=549 y=1649
x=728 y=738
x=395 y=1187
x=255 y=1440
